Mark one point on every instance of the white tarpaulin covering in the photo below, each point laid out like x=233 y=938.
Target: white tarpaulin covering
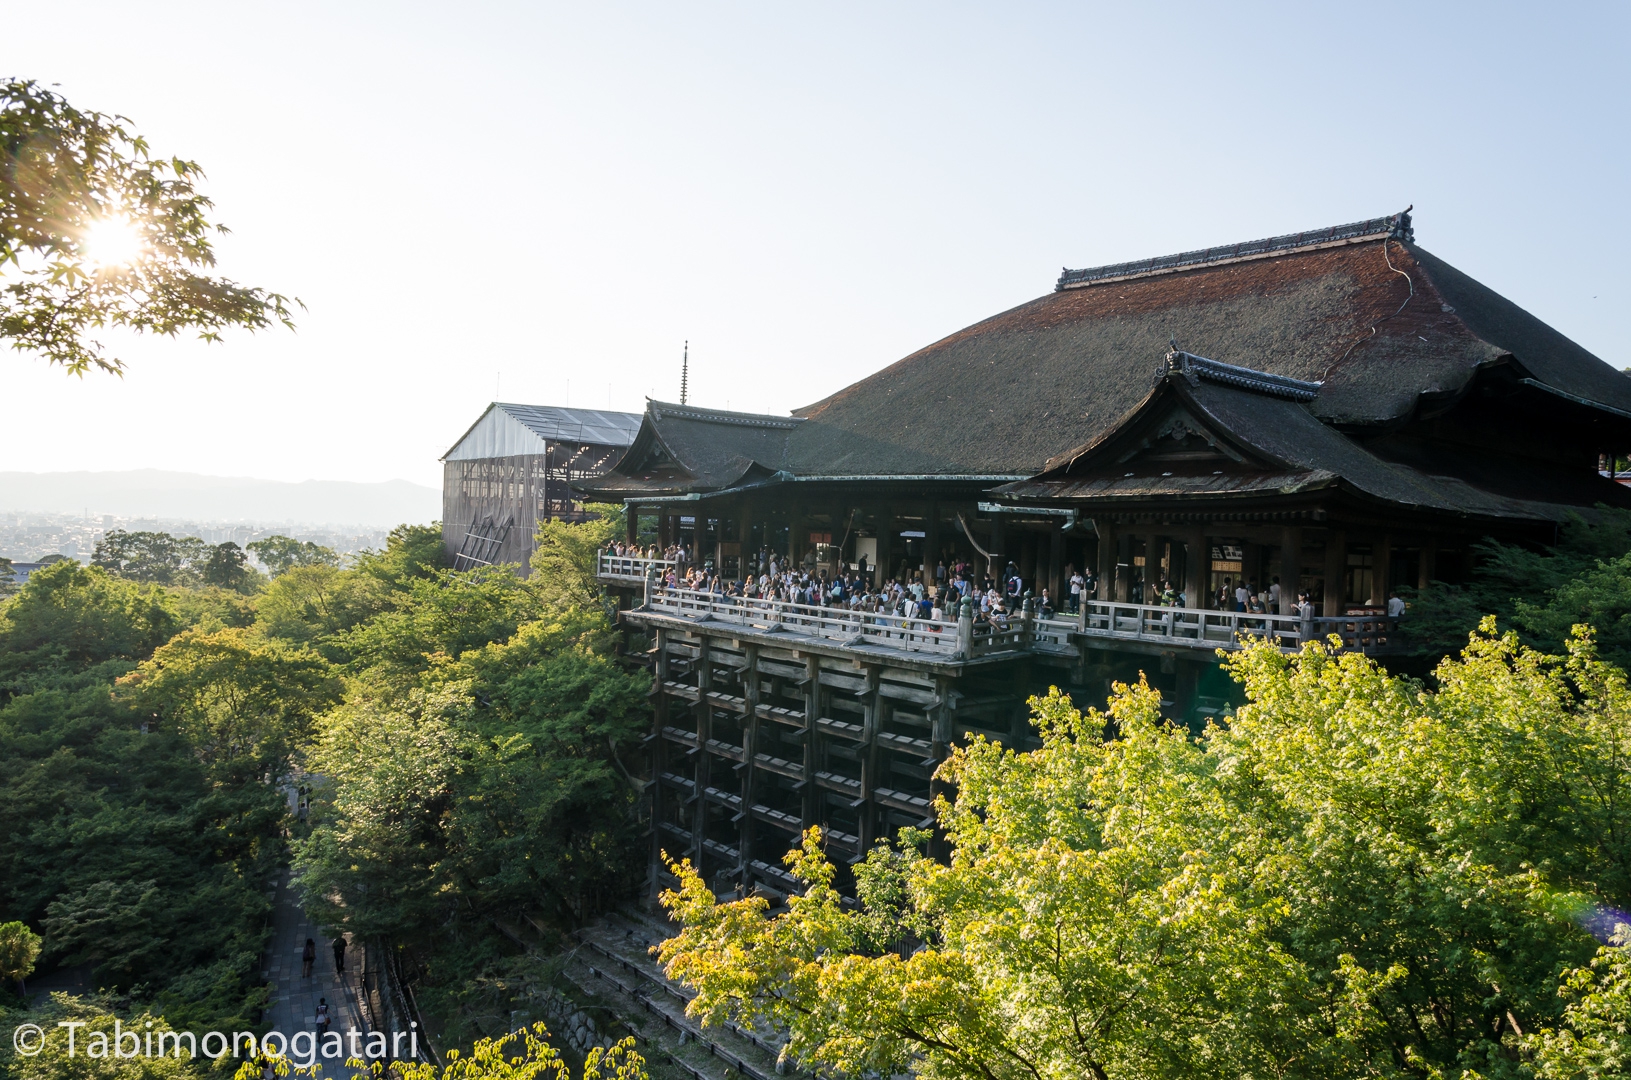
x=506 y=430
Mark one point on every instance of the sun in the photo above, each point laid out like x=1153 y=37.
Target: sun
x=112 y=242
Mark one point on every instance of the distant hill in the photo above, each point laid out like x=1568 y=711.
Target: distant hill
x=156 y=493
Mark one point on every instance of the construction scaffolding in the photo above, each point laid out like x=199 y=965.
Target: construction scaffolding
x=514 y=468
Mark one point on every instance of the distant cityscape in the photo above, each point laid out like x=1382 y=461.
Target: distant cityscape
x=29 y=537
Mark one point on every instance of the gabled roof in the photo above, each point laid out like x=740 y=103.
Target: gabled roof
x=1267 y=440
x=683 y=449
x=507 y=430
x=1379 y=322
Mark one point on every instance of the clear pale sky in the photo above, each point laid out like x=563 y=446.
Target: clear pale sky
x=483 y=199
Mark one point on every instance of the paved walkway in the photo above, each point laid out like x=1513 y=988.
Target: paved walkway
x=294 y=997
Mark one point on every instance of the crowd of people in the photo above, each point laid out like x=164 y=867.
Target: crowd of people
x=909 y=594
x=772 y=576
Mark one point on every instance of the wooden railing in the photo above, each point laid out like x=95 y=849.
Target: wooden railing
x=629 y=567
x=935 y=636
x=964 y=639
x=1200 y=628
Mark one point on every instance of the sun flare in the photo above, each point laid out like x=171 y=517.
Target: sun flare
x=112 y=241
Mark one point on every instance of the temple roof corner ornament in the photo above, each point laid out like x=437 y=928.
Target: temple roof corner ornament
x=1193 y=369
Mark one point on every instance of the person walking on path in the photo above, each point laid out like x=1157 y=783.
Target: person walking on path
x=308 y=956
x=339 y=955
x=322 y=1016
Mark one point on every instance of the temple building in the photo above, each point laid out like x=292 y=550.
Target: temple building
x=1338 y=412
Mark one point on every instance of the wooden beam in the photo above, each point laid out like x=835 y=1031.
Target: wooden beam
x=1336 y=567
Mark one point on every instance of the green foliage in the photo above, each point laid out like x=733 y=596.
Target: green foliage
x=226 y=567
x=1593 y=1039
x=8 y=578
x=564 y=555
x=162 y=559
x=280 y=554
x=72 y=617
x=94 y=1032
x=19 y=948
x=524 y=1054
x=1584 y=578
x=477 y=767
x=309 y=604
x=212 y=607
x=490 y=785
x=411 y=551
x=243 y=703
x=435 y=619
x=64 y=175
x=120 y=844
x=1355 y=878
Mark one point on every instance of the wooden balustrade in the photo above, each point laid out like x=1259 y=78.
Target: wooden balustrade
x=625 y=568
x=1194 y=628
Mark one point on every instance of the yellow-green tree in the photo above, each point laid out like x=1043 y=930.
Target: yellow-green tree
x=1356 y=877
x=19 y=948
x=520 y=1055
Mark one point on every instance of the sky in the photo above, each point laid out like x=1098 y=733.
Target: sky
x=542 y=202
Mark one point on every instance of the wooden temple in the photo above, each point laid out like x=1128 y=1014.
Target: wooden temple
x=1337 y=410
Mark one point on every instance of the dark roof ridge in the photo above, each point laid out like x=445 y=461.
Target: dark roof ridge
x=1394 y=226
x=660 y=409
x=1192 y=367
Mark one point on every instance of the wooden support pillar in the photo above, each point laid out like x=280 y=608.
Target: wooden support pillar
x=1336 y=567
x=631 y=523
x=812 y=711
x=1381 y=570
x=703 y=777
x=1197 y=566
x=1428 y=568
x=1109 y=547
x=659 y=756
x=1152 y=569
x=940 y=736
x=1056 y=567
x=999 y=549
x=750 y=750
x=1124 y=568
x=931 y=542
x=1291 y=566
x=872 y=721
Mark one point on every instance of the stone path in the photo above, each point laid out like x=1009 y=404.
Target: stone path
x=294 y=998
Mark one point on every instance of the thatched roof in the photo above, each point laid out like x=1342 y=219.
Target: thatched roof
x=1012 y=391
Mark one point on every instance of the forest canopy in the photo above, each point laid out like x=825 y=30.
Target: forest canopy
x=464 y=738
